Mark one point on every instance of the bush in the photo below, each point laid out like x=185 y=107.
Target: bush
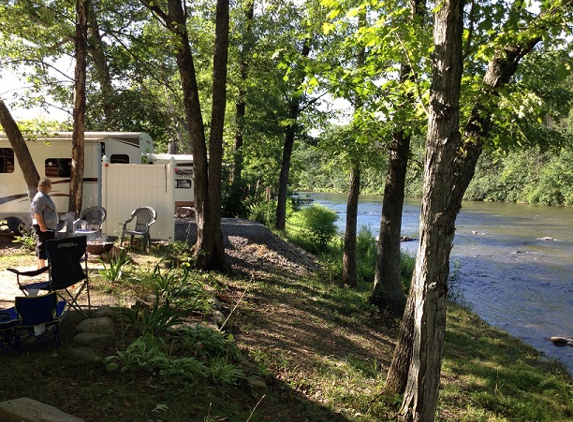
x=366 y=255
x=264 y=212
x=316 y=224
x=407 y=266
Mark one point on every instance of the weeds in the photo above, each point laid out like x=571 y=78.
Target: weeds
x=168 y=309
x=26 y=242
x=114 y=271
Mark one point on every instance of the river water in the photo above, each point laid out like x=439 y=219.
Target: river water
x=516 y=263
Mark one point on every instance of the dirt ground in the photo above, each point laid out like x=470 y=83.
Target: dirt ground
x=8 y=286
x=271 y=316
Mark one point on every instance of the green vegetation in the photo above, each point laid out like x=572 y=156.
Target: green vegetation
x=529 y=175
x=297 y=347
x=26 y=241
x=313 y=227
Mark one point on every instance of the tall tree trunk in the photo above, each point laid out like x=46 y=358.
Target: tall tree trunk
x=211 y=252
x=77 y=173
x=209 y=249
x=437 y=217
x=236 y=206
x=240 y=104
x=97 y=49
x=388 y=292
x=477 y=129
x=349 y=275
x=293 y=112
x=349 y=259
x=20 y=148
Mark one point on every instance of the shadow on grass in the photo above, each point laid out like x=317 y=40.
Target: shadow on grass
x=87 y=390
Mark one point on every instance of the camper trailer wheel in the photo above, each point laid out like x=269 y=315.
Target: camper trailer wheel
x=19 y=227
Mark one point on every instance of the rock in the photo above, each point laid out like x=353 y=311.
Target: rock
x=28 y=410
x=94 y=341
x=562 y=341
x=218 y=318
x=258 y=386
x=215 y=303
x=86 y=354
x=102 y=325
x=105 y=311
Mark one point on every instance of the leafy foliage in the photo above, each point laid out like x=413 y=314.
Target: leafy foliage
x=26 y=241
x=175 y=296
x=316 y=224
x=113 y=271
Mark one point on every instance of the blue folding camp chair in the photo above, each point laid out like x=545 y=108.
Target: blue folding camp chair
x=9 y=336
x=40 y=318
x=66 y=274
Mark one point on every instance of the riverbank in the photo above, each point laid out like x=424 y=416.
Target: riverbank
x=512 y=261
x=323 y=355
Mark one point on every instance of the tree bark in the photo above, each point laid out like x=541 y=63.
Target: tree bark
x=240 y=104
x=477 y=129
x=349 y=274
x=293 y=112
x=20 y=148
x=209 y=248
x=77 y=171
x=437 y=217
x=349 y=258
x=97 y=49
x=388 y=292
x=236 y=203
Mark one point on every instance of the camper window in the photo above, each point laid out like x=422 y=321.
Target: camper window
x=58 y=167
x=119 y=159
x=6 y=160
x=183 y=184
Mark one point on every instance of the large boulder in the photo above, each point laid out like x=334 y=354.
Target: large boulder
x=28 y=410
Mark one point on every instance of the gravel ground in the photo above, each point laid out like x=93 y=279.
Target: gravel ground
x=251 y=245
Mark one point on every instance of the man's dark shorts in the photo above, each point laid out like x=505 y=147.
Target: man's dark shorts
x=41 y=239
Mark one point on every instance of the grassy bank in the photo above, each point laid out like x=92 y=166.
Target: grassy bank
x=296 y=347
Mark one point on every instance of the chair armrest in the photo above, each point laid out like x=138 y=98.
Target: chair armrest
x=30 y=273
x=126 y=222
x=75 y=225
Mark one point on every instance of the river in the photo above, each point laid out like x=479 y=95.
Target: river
x=516 y=263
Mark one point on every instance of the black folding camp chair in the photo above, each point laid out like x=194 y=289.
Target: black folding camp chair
x=67 y=276
x=40 y=318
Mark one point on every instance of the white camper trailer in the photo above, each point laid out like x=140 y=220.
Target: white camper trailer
x=52 y=156
x=183 y=184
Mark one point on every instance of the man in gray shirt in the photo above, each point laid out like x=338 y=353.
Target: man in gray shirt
x=44 y=219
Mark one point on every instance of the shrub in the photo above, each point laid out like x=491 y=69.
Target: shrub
x=407 y=265
x=26 y=241
x=316 y=225
x=264 y=212
x=114 y=270
x=366 y=255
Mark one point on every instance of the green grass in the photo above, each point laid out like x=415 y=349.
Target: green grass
x=321 y=350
